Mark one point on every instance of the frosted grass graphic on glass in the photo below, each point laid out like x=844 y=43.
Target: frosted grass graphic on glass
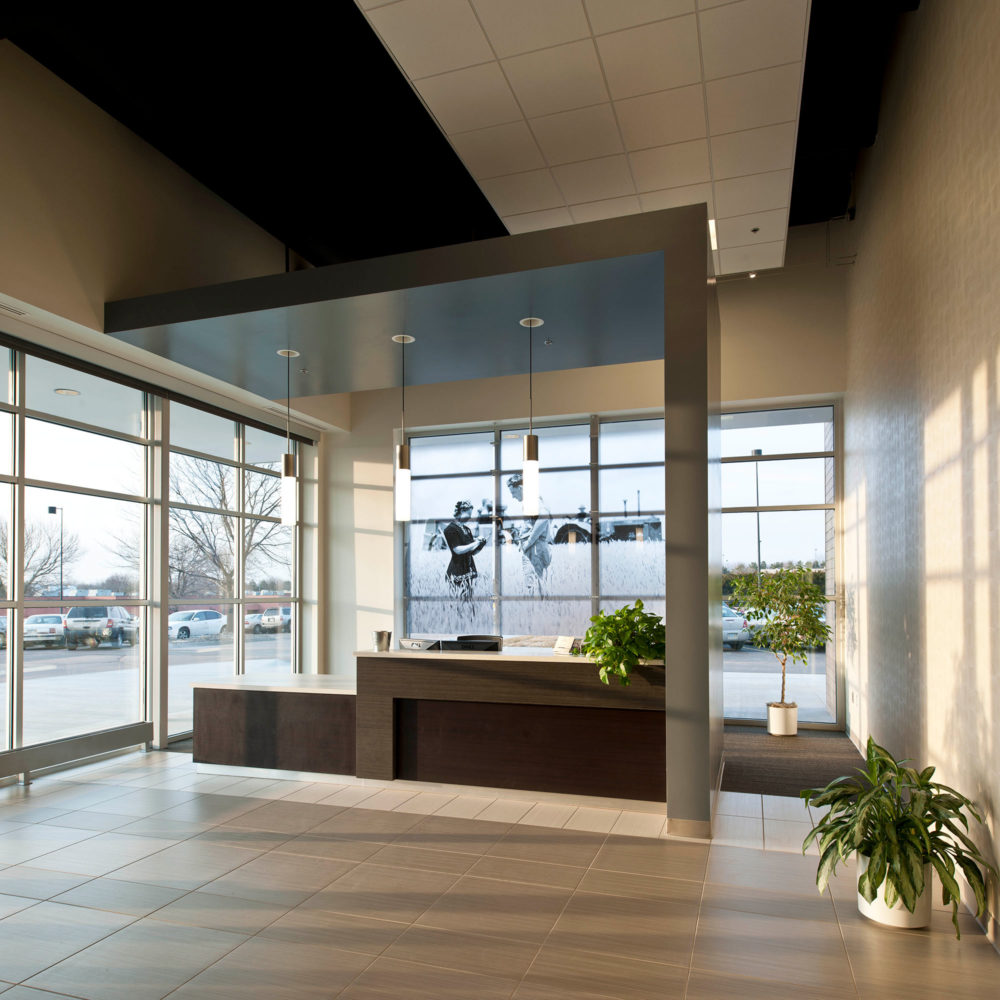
x=435 y=618
x=624 y=441
x=432 y=456
x=632 y=567
x=567 y=575
x=797 y=481
x=558 y=447
x=548 y=618
x=427 y=566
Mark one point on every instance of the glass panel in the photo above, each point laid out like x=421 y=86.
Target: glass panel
x=268 y=555
x=437 y=498
x=262 y=494
x=202 y=483
x=6 y=442
x=437 y=566
x=7 y=376
x=430 y=456
x=798 y=481
x=5 y=542
x=653 y=606
x=202 y=554
x=632 y=555
x=263 y=449
x=267 y=650
x=91 y=681
x=450 y=618
x=630 y=441
x=544 y=618
x=631 y=490
x=778 y=432
x=558 y=447
x=197 y=430
x=200 y=648
x=5 y=654
x=561 y=493
x=75 y=395
x=58 y=454
x=533 y=563
x=90 y=546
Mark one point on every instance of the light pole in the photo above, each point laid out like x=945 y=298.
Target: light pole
x=52 y=510
x=756 y=480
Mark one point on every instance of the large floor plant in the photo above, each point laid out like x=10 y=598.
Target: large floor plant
x=901 y=821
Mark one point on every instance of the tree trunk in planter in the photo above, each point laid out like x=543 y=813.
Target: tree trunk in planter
x=898 y=915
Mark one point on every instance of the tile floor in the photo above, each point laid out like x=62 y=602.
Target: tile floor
x=140 y=878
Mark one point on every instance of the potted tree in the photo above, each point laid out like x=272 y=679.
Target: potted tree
x=788 y=609
x=901 y=824
x=617 y=642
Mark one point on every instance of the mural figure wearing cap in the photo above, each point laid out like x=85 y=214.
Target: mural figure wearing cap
x=464 y=545
x=534 y=541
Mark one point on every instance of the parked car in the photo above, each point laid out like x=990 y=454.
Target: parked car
x=44 y=630
x=96 y=624
x=735 y=633
x=251 y=623
x=275 y=619
x=185 y=624
x=3 y=632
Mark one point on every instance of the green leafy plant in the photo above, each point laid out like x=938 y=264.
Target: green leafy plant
x=901 y=820
x=786 y=610
x=618 y=641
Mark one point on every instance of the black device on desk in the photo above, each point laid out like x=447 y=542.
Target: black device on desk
x=474 y=643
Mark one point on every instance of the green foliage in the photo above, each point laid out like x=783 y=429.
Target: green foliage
x=617 y=642
x=786 y=614
x=901 y=820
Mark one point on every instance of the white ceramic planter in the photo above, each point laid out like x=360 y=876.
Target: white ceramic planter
x=782 y=720
x=898 y=915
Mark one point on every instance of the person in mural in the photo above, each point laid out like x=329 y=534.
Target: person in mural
x=463 y=544
x=536 y=551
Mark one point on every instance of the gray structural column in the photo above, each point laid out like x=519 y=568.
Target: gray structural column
x=693 y=570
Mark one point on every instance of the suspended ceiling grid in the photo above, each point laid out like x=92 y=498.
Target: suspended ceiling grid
x=568 y=111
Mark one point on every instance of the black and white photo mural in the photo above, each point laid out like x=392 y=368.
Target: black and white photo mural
x=476 y=564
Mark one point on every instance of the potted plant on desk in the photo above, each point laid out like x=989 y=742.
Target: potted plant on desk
x=619 y=641
x=789 y=612
x=901 y=824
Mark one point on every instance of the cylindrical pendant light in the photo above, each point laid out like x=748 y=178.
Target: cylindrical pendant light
x=289 y=479
x=529 y=470
x=402 y=463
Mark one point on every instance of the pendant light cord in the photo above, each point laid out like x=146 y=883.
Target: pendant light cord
x=530 y=365
x=288 y=404
x=402 y=378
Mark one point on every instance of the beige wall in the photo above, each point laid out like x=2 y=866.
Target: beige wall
x=91 y=213
x=922 y=521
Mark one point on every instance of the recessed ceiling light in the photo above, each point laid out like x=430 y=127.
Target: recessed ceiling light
x=66 y=392
x=288 y=352
x=711 y=234
x=532 y=321
x=402 y=338
x=752 y=274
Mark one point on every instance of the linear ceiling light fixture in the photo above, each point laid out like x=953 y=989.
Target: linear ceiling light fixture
x=402 y=493
x=289 y=511
x=529 y=468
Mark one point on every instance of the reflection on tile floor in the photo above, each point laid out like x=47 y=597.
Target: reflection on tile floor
x=140 y=878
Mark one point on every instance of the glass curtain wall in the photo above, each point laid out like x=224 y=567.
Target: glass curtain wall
x=476 y=564
x=75 y=552
x=779 y=510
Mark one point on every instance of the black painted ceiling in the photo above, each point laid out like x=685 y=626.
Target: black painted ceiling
x=301 y=120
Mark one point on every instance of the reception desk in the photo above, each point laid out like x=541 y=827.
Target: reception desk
x=522 y=719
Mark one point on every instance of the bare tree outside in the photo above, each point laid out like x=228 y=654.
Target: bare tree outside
x=42 y=556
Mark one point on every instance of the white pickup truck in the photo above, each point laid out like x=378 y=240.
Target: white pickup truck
x=276 y=620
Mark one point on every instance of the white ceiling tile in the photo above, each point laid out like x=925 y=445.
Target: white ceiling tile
x=758 y=257
x=595 y=180
x=692 y=194
x=752 y=34
x=613 y=15
x=431 y=36
x=578 y=135
x=706 y=4
x=549 y=219
x=558 y=79
x=772 y=227
x=470 y=98
x=503 y=149
x=662 y=118
x=515 y=194
x=654 y=57
x=671 y=166
x=754 y=193
x=766 y=97
x=753 y=152
x=611 y=208
x=515 y=26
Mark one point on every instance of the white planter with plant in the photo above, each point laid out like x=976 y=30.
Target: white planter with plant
x=788 y=608
x=901 y=825
x=620 y=641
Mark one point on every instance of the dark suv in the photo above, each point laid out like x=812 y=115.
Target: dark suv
x=100 y=624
